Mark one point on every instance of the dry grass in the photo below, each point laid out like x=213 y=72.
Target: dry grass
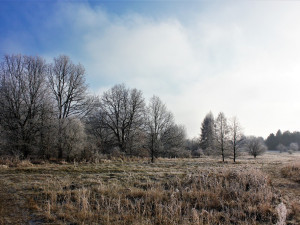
x=170 y=191
x=14 y=162
x=204 y=197
x=291 y=171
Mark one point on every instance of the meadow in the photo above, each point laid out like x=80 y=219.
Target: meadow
x=204 y=190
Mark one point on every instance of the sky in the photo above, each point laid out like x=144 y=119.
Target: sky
x=238 y=57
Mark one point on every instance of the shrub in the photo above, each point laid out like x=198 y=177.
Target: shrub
x=290 y=151
x=176 y=153
x=116 y=153
x=197 y=153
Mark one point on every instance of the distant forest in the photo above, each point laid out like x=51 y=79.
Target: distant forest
x=283 y=141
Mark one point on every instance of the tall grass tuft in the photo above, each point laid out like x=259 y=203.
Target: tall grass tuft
x=291 y=171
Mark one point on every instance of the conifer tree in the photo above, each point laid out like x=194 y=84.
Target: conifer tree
x=207 y=134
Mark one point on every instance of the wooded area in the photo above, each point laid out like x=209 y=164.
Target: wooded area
x=47 y=112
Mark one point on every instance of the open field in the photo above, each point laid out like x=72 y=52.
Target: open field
x=170 y=191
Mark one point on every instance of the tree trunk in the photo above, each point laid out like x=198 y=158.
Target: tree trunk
x=234 y=154
x=152 y=157
x=60 y=148
x=223 y=156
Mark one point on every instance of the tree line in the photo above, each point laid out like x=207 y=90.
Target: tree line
x=225 y=137
x=46 y=112
x=286 y=141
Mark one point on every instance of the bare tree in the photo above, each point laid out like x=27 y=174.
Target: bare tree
x=174 y=136
x=236 y=137
x=22 y=100
x=122 y=110
x=67 y=83
x=173 y=141
x=255 y=146
x=158 y=122
x=48 y=129
x=221 y=135
x=97 y=128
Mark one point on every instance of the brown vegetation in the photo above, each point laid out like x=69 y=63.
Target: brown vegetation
x=170 y=191
x=292 y=171
x=206 y=197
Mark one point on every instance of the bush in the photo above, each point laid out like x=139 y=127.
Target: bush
x=176 y=153
x=74 y=139
x=140 y=152
x=197 y=153
x=116 y=153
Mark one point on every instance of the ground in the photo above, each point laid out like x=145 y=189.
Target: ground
x=136 y=191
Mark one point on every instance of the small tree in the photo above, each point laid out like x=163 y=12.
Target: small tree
x=236 y=137
x=159 y=121
x=294 y=146
x=74 y=138
x=255 y=146
x=221 y=135
x=281 y=148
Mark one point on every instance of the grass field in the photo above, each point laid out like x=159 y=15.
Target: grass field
x=169 y=191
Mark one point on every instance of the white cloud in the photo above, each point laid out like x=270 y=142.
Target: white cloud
x=239 y=58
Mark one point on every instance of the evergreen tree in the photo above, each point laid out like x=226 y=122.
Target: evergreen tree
x=207 y=134
x=271 y=142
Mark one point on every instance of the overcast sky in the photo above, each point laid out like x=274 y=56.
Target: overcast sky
x=239 y=57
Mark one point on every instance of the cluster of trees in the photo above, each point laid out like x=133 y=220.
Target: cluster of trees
x=46 y=111
x=285 y=141
x=225 y=138
x=122 y=120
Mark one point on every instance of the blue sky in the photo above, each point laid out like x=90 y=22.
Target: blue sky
x=239 y=57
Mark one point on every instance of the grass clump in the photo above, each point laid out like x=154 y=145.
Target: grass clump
x=291 y=172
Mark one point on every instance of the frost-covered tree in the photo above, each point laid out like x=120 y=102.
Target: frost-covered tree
x=281 y=148
x=158 y=121
x=236 y=137
x=23 y=102
x=207 y=138
x=122 y=116
x=294 y=146
x=73 y=138
x=255 y=146
x=69 y=90
x=221 y=135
